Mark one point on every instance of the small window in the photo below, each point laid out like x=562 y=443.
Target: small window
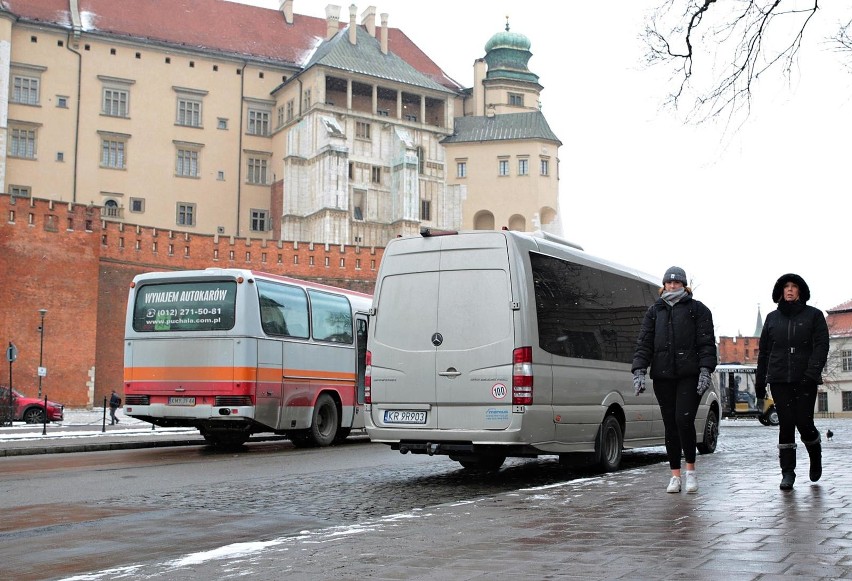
x=290 y=106
x=137 y=205
x=60 y=156
x=362 y=130
x=186 y=163
x=257 y=171
x=376 y=175
x=220 y=175
x=382 y=112
x=258 y=122
x=846 y=401
x=222 y=123
x=188 y=112
x=23 y=142
x=516 y=99
x=185 y=214
x=503 y=167
x=523 y=167
x=461 y=169
x=426 y=210
x=20 y=191
x=545 y=167
x=411 y=118
x=62 y=102
x=259 y=220
x=115 y=102
x=25 y=90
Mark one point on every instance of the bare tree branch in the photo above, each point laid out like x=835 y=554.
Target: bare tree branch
x=717 y=51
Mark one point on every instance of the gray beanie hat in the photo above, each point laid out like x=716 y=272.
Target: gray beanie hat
x=675 y=273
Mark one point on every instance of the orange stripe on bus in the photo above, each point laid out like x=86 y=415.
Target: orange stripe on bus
x=227 y=374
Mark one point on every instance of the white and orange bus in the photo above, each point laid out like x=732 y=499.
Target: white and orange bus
x=235 y=352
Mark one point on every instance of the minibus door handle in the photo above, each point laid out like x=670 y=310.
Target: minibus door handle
x=451 y=372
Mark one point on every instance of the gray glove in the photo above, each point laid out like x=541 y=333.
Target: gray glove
x=639 y=381
x=704 y=381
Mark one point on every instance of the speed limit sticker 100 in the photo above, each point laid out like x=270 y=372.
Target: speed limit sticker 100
x=498 y=391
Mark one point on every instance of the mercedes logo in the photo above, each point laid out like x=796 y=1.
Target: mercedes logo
x=437 y=339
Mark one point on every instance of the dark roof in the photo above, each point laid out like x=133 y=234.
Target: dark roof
x=530 y=125
x=366 y=57
x=238 y=30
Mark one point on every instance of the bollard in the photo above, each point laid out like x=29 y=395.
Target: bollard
x=44 y=420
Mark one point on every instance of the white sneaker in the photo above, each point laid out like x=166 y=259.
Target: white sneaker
x=691 y=482
x=674 y=484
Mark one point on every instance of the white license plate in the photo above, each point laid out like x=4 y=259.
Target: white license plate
x=181 y=401
x=404 y=417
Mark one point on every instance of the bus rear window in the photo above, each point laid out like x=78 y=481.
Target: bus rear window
x=188 y=306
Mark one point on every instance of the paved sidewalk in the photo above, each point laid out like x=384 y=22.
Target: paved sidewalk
x=738 y=527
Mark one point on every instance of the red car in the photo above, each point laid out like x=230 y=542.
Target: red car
x=28 y=409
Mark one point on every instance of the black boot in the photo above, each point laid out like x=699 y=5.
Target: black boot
x=787 y=459
x=815 y=453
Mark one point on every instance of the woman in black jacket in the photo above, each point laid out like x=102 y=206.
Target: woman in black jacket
x=678 y=342
x=792 y=354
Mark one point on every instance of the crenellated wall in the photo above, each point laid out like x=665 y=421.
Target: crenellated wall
x=62 y=257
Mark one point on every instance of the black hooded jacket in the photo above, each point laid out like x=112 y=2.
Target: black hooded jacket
x=676 y=341
x=794 y=341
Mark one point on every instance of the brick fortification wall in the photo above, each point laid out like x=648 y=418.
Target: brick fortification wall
x=62 y=257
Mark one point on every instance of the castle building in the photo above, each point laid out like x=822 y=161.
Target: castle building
x=214 y=117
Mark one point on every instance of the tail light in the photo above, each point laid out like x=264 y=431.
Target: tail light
x=368 y=379
x=522 y=376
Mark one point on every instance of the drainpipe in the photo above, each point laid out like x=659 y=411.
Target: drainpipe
x=75 y=35
x=240 y=146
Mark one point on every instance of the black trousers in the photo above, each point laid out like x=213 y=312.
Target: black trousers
x=678 y=399
x=795 y=405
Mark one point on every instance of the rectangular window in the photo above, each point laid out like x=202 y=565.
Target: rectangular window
x=545 y=167
x=185 y=306
x=185 y=214
x=523 y=167
x=289 y=109
x=113 y=153
x=376 y=174
x=362 y=130
x=258 y=122
x=461 y=169
x=358 y=204
x=188 y=112
x=23 y=143
x=137 y=205
x=187 y=163
x=846 y=401
x=307 y=99
x=115 y=103
x=256 y=171
x=259 y=220
x=283 y=310
x=25 y=90
x=280 y=116
x=222 y=123
x=426 y=210
x=846 y=360
x=516 y=99
x=20 y=191
x=331 y=317
x=503 y=167
x=822 y=402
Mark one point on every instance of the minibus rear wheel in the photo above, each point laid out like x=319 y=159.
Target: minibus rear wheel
x=609 y=444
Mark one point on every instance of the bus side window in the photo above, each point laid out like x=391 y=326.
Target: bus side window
x=272 y=320
x=283 y=310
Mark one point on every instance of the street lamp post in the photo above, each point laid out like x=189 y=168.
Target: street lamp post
x=41 y=312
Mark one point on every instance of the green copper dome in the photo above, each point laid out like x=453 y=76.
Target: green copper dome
x=507 y=54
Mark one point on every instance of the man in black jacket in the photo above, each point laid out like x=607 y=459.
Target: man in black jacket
x=793 y=351
x=677 y=340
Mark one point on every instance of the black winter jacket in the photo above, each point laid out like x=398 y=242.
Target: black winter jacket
x=676 y=341
x=793 y=346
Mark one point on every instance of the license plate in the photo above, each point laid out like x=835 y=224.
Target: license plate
x=181 y=401
x=404 y=417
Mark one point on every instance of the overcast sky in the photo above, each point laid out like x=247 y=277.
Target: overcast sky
x=735 y=209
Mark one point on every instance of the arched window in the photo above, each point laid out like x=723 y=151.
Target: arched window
x=483 y=220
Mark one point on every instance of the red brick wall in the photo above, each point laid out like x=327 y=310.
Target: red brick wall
x=61 y=257
x=739 y=350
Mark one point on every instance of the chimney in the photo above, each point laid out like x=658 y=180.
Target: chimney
x=286 y=8
x=353 y=31
x=384 y=17
x=368 y=20
x=332 y=21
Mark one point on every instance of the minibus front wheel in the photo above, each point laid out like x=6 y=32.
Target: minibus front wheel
x=609 y=444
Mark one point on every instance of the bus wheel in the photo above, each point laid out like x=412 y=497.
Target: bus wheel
x=342 y=434
x=325 y=422
x=609 y=444
x=481 y=463
x=711 y=434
